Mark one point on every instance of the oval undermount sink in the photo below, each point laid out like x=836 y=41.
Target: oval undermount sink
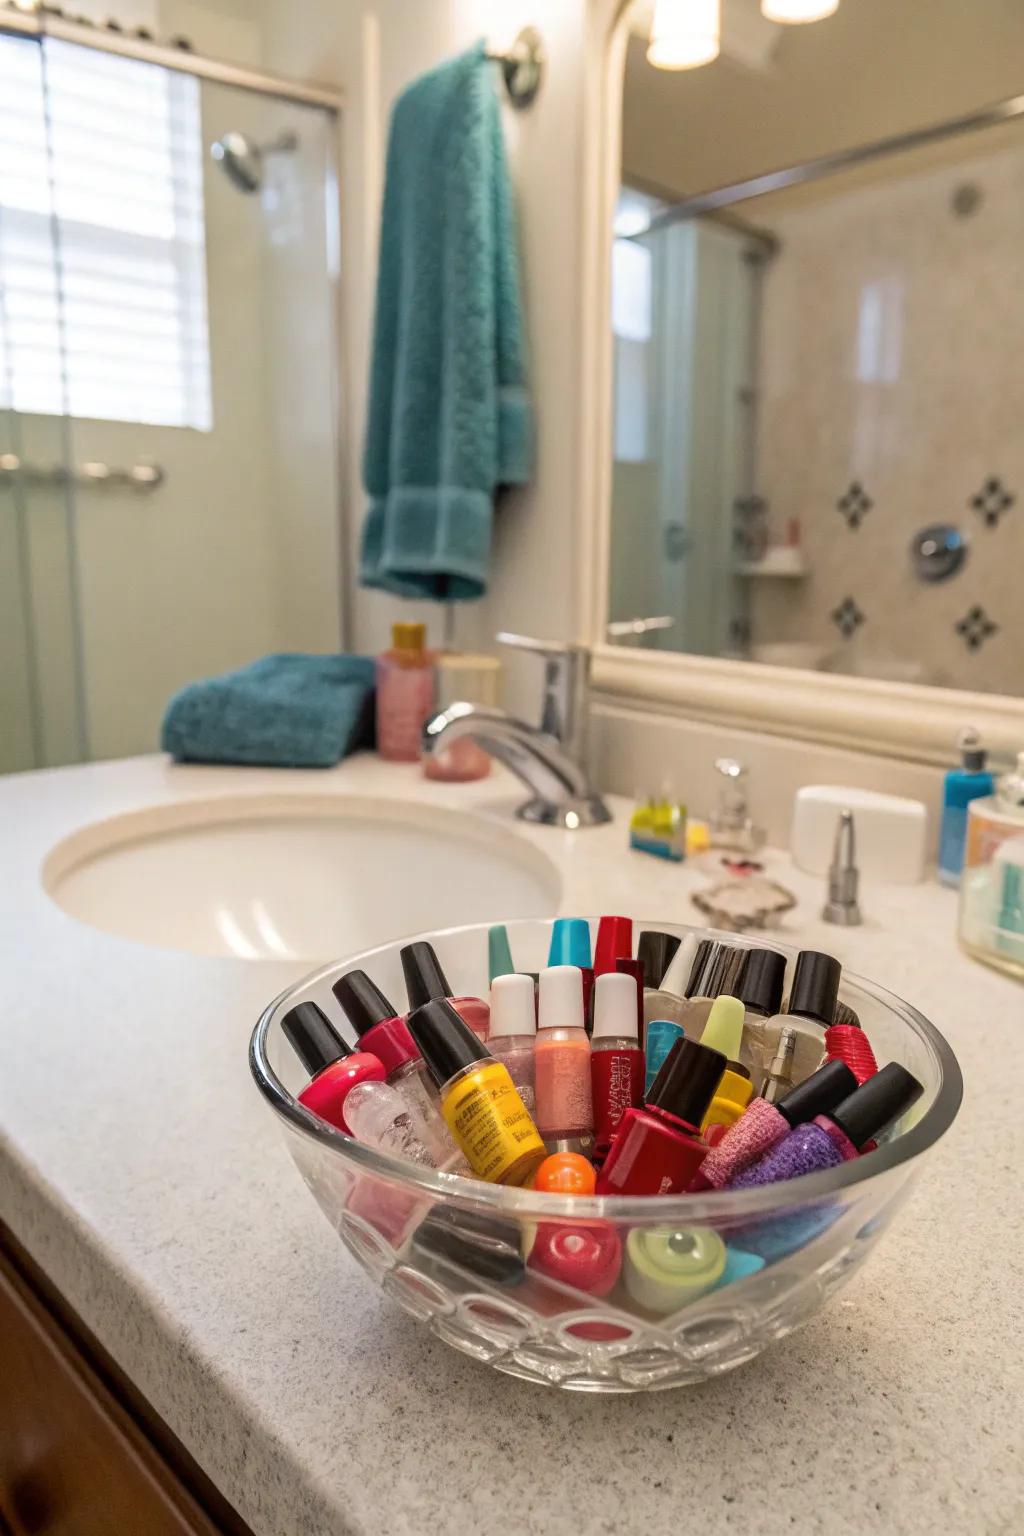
x=294 y=877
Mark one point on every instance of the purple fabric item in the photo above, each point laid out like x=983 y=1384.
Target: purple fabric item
x=807 y=1149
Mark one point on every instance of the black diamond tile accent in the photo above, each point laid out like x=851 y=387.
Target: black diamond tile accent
x=992 y=501
x=975 y=627
x=847 y=617
x=854 y=504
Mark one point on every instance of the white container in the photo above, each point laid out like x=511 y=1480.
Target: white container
x=892 y=833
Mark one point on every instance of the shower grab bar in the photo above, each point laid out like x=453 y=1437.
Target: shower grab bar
x=140 y=477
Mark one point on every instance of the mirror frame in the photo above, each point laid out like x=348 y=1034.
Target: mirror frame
x=913 y=722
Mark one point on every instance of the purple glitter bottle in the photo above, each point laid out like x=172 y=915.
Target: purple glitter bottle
x=836 y=1137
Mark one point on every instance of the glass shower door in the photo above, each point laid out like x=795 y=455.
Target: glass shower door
x=42 y=719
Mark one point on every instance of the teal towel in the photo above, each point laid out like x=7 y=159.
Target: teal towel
x=286 y=711
x=449 y=417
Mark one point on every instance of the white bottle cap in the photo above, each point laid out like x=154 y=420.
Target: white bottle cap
x=678 y=973
x=513 y=1011
x=561 y=998
x=615 y=1006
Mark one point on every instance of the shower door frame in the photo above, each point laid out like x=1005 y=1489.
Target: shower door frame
x=39 y=25
x=909 y=721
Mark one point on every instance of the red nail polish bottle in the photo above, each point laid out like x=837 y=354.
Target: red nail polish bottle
x=616 y=1060
x=659 y=1148
x=333 y=1065
x=614 y=938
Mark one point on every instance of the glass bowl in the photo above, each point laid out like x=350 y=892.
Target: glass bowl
x=447 y=1249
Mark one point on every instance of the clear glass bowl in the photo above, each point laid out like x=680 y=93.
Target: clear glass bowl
x=652 y=1330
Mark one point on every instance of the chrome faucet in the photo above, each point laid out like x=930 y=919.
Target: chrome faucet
x=549 y=758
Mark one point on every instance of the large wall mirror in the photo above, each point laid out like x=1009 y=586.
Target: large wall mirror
x=817 y=385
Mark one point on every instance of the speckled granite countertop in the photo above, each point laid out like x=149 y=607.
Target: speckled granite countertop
x=140 y=1169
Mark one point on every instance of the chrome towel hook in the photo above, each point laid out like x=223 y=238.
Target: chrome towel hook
x=522 y=66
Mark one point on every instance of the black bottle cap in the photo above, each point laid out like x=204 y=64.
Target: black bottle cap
x=487 y=1246
x=654 y=950
x=686 y=1081
x=702 y=955
x=363 y=1002
x=815 y=987
x=424 y=978
x=818 y=1094
x=313 y=1037
x=876 y=1103
x=763 y=977
x=443 y=1040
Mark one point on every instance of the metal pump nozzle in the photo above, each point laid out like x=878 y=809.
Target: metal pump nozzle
x=842 y=906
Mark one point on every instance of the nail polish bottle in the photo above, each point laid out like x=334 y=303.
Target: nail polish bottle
x=760 y=992
x=565 y=1108
x=481 y=1107
x=499 y=952
x=810 y=1011
x=780 y=1069
x=658 y=1149
x=333 y=1066
x=387 y=1037
x=723 y=1032
x=614 y=938
x=846 y=1041
x=669 y=1001
x=570 y=942
x=660 y=1036
x=656 y=951
x=570 y=945
x=514 y=1030
x=839 y=1135
x=425 y=981
x=763 y=1125
x=665 y=1267
x=586 y=1255
x=486 y=1245
x=377 y=1115
x=616 y=1060
x=565 y=1173
x=720 y=975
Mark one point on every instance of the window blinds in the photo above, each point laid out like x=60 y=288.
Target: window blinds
x=102 y=256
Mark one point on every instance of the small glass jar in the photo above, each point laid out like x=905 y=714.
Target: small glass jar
x=473 y=680
x=991 y=923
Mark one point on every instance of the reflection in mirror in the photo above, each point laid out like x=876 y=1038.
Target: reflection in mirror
x=817 y=450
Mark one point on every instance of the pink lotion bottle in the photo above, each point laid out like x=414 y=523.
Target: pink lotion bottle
x=405 y=693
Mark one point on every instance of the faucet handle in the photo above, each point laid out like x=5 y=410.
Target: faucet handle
x=566 y=674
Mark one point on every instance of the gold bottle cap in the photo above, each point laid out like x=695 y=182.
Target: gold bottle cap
x=408 y=637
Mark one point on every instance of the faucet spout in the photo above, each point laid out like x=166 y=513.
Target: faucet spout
x=560 y=791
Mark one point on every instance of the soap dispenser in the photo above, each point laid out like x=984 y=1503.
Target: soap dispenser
x=962 y=785
x=731 y=825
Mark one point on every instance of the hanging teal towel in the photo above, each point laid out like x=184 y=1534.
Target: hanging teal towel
x=286 y=711
x=449 y=417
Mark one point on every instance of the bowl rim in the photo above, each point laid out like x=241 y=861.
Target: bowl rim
x=714 y=1207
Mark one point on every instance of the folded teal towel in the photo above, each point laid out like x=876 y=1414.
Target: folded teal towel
x=285 y=711
x=449 y=419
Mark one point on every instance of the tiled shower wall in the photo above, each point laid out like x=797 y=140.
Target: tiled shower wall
x=892 y=397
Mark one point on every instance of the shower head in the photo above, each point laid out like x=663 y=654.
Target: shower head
x=242 y=159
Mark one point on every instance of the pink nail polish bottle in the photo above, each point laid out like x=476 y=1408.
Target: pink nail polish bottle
x=762 y=1125
x=426 y=982
x=565 y=1106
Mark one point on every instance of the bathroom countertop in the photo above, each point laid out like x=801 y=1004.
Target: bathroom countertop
x=141 y=1171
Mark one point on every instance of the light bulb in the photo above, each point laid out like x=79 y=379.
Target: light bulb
x=684 y=33
x=792 y=12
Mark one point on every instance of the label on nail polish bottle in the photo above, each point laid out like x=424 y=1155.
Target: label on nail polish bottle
x=492 y=1125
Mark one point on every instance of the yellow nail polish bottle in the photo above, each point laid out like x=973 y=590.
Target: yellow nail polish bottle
x=479 y=1100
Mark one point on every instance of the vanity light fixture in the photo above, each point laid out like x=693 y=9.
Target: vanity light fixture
x=684 y=33
x=794 y=12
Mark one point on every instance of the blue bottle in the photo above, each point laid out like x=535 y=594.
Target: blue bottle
x=659 y=1038
x=964 y=784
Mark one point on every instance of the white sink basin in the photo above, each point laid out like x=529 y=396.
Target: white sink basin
x=294 y=877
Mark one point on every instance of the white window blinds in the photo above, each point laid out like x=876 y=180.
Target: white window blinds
x=102 y=257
